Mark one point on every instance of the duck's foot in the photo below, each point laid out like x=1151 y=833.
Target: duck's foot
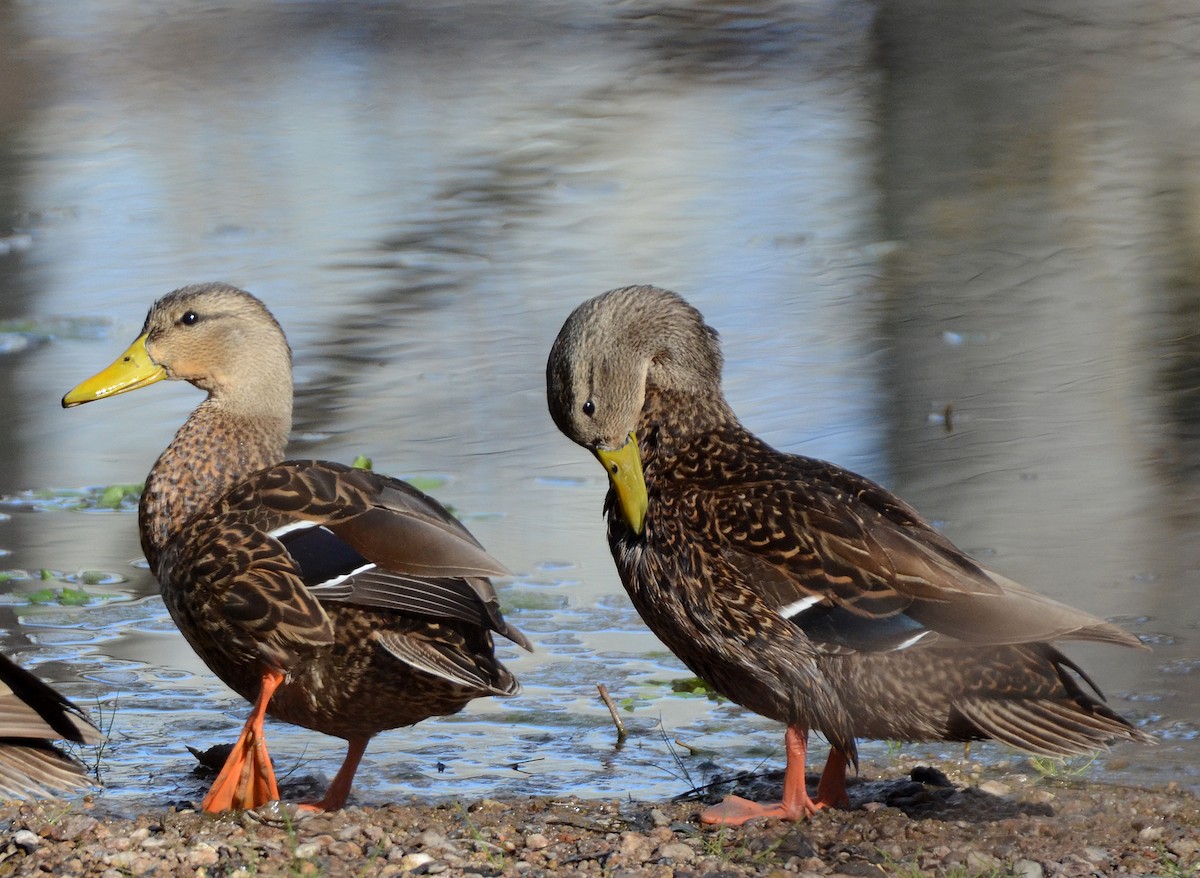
x=339 y=790
x=734 y=811
x=831 y=791
x=247 y=779
x=796 y=804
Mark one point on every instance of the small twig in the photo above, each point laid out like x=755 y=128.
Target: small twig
x=612 y=709
x=683 y=773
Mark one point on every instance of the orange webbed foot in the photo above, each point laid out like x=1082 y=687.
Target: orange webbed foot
x=796 y=804
x=247 y=780
x=734 y=811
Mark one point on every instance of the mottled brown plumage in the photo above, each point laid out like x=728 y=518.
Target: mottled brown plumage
x=32 y=714
x=796 y=588
x=335 y=599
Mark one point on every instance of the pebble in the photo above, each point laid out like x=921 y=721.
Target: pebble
x=535 y=841
x=635 y=848
x=1184 y=848
x=409 y=862
x=431 y=838
x=981 y=861
x=658 y=818
x=1150 y=833
x=121 y=859
x=1027 y=869
x=26 y=840
x=202 y=854
x=677 y=851
x=72 y=827
x=345 y=850
x=661 y=835
x=995 y=788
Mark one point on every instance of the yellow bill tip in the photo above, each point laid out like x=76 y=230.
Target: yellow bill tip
x=624 y=467
x=131 y=370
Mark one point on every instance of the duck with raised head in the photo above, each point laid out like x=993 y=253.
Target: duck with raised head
x=32 y=715
x=332 y=598
x=798 y=589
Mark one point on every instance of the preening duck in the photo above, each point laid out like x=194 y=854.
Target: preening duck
x=796 y=588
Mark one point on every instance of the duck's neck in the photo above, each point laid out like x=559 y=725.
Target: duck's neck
x=210 y=454
x=675 y=424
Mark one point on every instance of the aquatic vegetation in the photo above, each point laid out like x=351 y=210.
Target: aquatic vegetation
x=113 y=496
x=651 y=691
x=67 y=597
x=528 y=599
x=72 y=594
x=1058 y=768
x=108 y=498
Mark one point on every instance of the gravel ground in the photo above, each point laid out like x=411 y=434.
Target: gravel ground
x=909 y=827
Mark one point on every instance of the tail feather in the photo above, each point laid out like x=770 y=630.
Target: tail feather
x=34 y=769
x=1064 y=723
x=1049 y=728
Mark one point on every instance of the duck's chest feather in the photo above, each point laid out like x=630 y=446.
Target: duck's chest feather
x=703 y=596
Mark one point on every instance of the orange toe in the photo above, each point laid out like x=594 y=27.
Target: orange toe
x=831 y=791
x=734 y=811
x=247 y=780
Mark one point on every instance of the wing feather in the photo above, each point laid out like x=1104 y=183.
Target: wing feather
x=450 y=665
x=375 y=541
x=857 y=568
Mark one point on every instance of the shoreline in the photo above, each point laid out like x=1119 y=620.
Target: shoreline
x=905 y=827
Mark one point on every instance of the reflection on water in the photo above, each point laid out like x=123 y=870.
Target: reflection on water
x=952 y=251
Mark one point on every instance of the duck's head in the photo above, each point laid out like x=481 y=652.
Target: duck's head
x=609 y=353
x=216 y=336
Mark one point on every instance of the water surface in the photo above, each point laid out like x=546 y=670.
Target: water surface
x=953 y=250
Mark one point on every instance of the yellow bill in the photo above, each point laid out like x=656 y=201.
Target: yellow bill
x=624 y=467
x=131 y=370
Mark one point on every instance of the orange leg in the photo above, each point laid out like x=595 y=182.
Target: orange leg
x=831 y=791
x=247 y=779
x=339 y=790
x=796 y=804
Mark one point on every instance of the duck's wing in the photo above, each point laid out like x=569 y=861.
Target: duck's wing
x=361 y=538
x=858 y=569
x=31 y=714
x=30 y=708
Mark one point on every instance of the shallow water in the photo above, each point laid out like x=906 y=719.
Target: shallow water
x=955 y=252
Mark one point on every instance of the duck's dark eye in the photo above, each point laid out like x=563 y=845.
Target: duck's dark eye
x=589 y=408
x=189 y=317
